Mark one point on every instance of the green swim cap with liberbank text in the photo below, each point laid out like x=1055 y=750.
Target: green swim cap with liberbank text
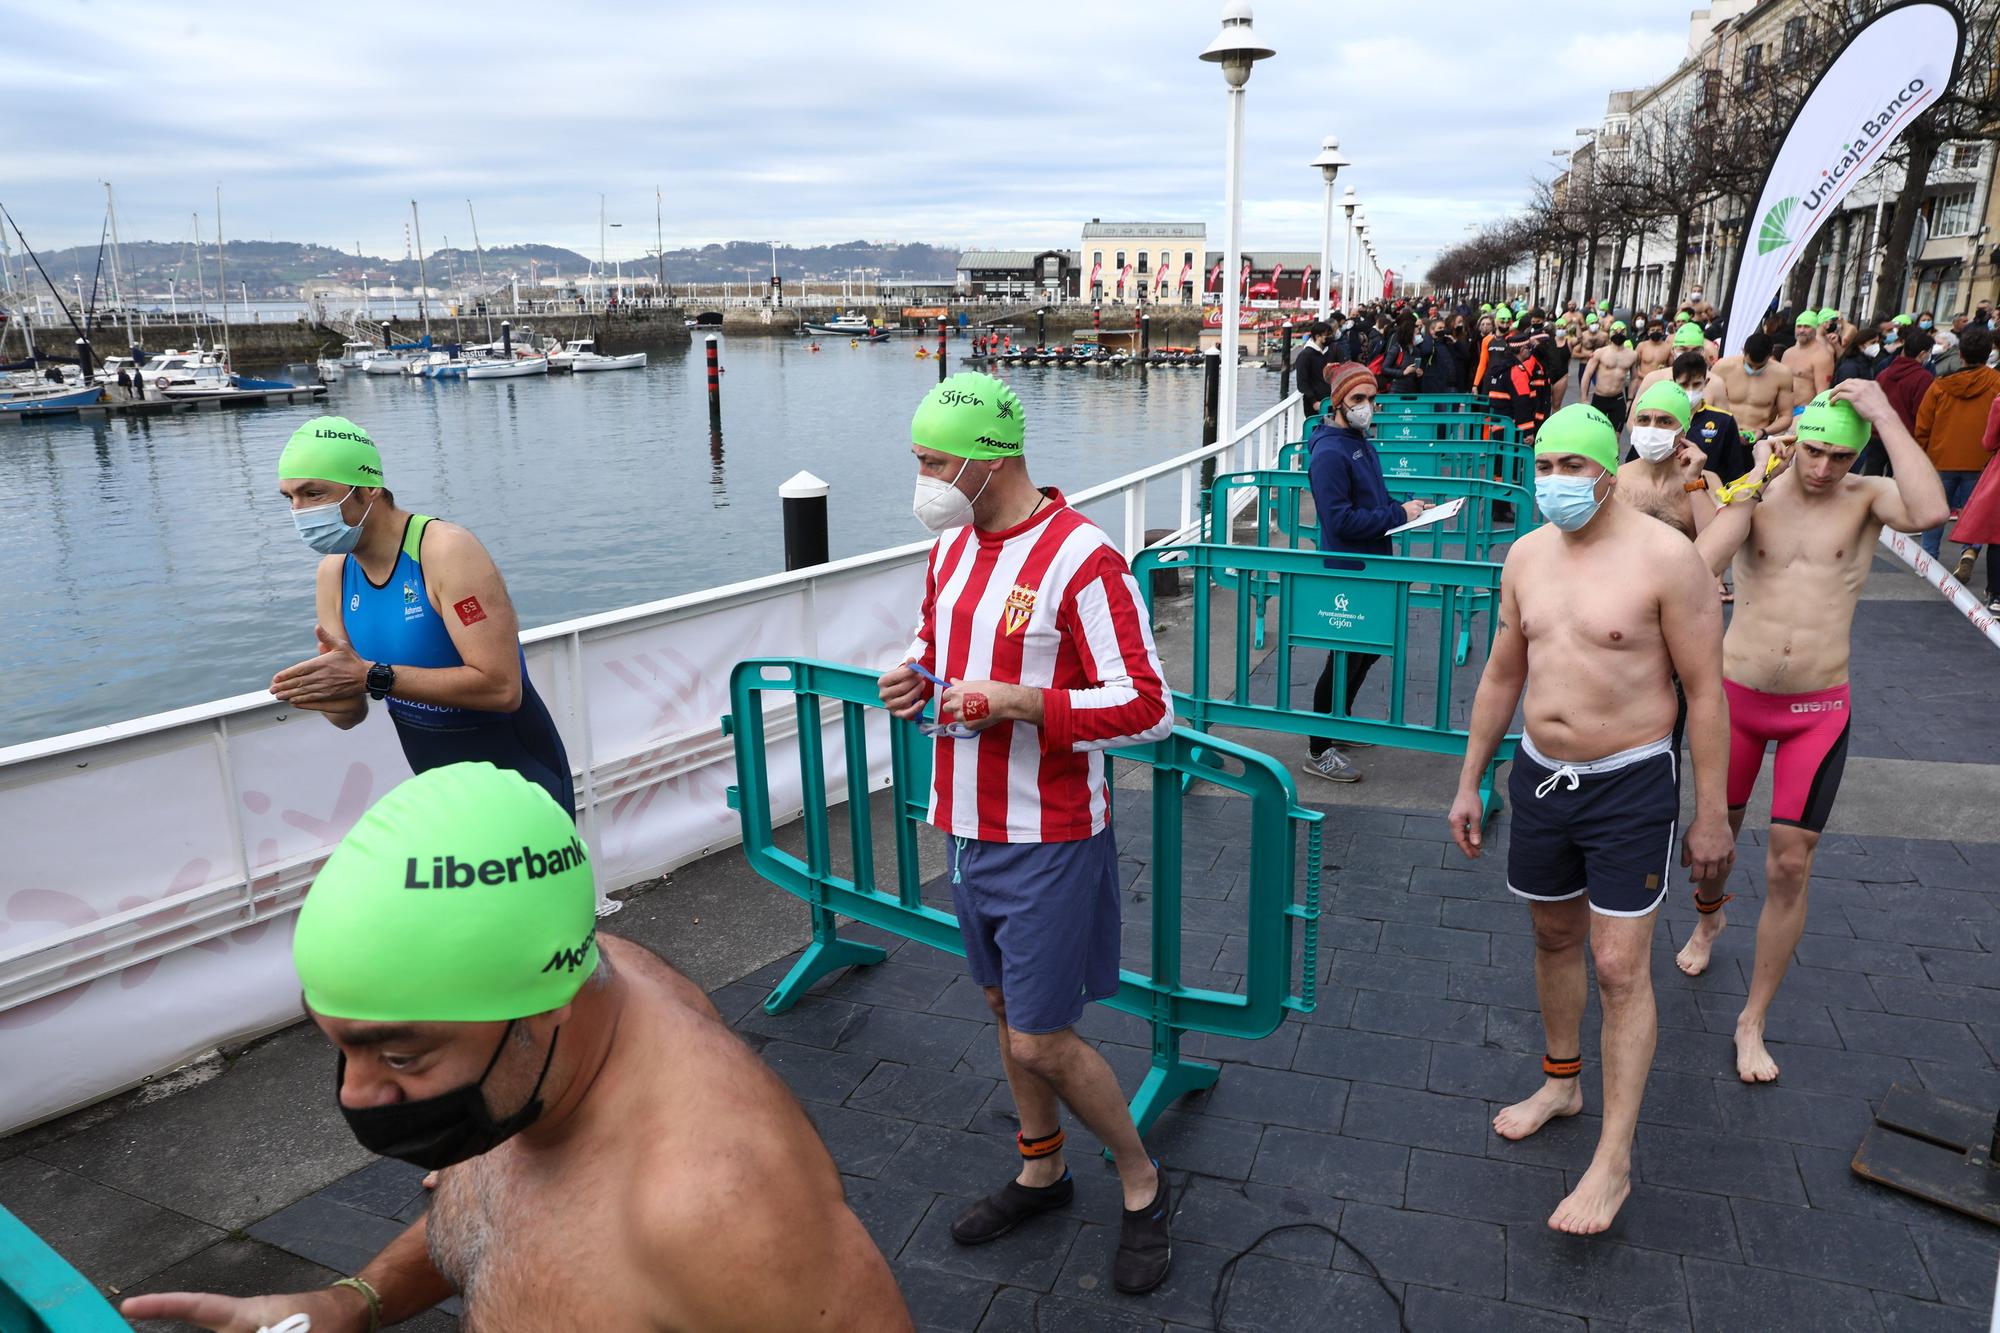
x=1580 y=429
x=331 y=449
x=462 y=896
x=1835 y=423
x=972 y=416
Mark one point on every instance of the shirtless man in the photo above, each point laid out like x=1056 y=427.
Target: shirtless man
x=1801 y=555
x=1608 y=375
x=1809 y=359
x=1666 y=476
x=612 y=1156
x=1654 y=350
x=1687 y=338
x=1759 y=390
x=1600 y=608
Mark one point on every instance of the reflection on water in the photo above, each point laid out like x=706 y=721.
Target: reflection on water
x=150 y=564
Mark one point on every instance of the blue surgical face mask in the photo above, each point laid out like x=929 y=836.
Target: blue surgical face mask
x=1568 y=502
x=323 y=529
x=1923 y=323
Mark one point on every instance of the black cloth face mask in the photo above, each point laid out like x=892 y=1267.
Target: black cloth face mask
x=444 y=1130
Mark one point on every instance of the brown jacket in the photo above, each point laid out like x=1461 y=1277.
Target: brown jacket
x=1952 y=418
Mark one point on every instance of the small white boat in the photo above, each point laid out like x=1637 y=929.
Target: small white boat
x=385 y=363
x=589 y=361
x=519 y=367
x=174 y=369
x=570 y=351
x=353 y=355
x=329 y=369
x=849 y=325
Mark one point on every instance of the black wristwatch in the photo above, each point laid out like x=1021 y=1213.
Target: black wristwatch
x=381 y=679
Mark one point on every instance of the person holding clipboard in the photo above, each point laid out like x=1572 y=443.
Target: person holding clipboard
x=1356 y=515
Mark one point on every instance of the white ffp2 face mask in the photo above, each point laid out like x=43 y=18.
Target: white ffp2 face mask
x=940 y=506
x=1653 y=443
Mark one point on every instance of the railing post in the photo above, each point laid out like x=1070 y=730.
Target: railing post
x=1211 y=411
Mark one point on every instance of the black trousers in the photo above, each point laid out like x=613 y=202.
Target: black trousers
x=1357 y=671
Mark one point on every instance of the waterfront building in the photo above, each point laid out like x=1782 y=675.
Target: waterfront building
x=1018 y=275
x=1143 y=263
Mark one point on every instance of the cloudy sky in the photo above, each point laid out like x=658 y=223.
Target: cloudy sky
x=991 y=125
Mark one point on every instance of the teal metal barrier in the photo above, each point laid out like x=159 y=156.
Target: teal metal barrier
x=1367 y=608
x=40 y=1293
x=1170 y=1007
x=1477 y=532
x=1502 y=458
x=1398 y=403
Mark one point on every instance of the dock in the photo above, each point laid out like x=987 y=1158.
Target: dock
x=1369 y=1115
x=161 y=407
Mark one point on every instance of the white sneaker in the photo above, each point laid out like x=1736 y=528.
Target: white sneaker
x=1333 y=766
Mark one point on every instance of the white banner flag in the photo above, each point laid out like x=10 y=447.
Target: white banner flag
x=1884 y=77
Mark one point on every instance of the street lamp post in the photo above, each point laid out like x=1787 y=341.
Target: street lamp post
x=1236 y=48
x=1347 y=260
x=1329 y=163
x=1360 y=255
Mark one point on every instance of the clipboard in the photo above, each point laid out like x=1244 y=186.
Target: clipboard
x=1444 y=513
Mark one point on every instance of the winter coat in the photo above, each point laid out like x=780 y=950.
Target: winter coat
x=1904 y=381
x=1952 y=419
x=1350 y=493
x=1856 y=367
x=1979 y=517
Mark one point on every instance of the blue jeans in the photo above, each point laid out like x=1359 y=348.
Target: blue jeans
x=1957 y=490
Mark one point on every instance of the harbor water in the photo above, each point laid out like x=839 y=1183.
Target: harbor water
x=151 y=564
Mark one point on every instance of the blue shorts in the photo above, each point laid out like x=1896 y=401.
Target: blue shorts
x=1606 y=828
x=1040 y=922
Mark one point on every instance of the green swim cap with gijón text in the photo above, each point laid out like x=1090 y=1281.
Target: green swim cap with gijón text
x=1665 y=396
x=1580 y=429
x=1826 y=421
x=972 y=416
x=462 y=896
x=331 y=449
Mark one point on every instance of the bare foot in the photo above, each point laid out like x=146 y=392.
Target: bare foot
x=1556 y=1097
x=1693 y=957
x=1753 y=1063
x=1594 y=1202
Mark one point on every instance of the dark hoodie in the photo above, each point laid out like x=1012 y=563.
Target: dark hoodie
x=1904 y=381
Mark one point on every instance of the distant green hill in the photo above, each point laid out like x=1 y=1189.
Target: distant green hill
x=274 y=269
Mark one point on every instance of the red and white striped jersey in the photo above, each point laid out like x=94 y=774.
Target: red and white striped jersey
x=1050 y=604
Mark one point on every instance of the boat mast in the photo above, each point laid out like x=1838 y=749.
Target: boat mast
x=480 y=255
x=118 y=269
x=200 y=278
x=600 y=247
x=221 y=274
x=660 y=244
x=423 y=282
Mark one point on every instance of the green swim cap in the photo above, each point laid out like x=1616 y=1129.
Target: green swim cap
x=970 y=415
x=462 y=896
x=1689 y=335
x=1604 y=305
x=331 y=449
x=1834 y=423
x=1501 y=312
x=1829 y=315
x=1579 y=429
x=1902 y=319
x=1590 y=320
x=1485 y=307
x=1669 y=397
x=1618 y=325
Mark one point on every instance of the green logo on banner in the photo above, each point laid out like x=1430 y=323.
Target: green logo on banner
x=1773 y=235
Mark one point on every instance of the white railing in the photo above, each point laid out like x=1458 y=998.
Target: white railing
x=151 y=866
